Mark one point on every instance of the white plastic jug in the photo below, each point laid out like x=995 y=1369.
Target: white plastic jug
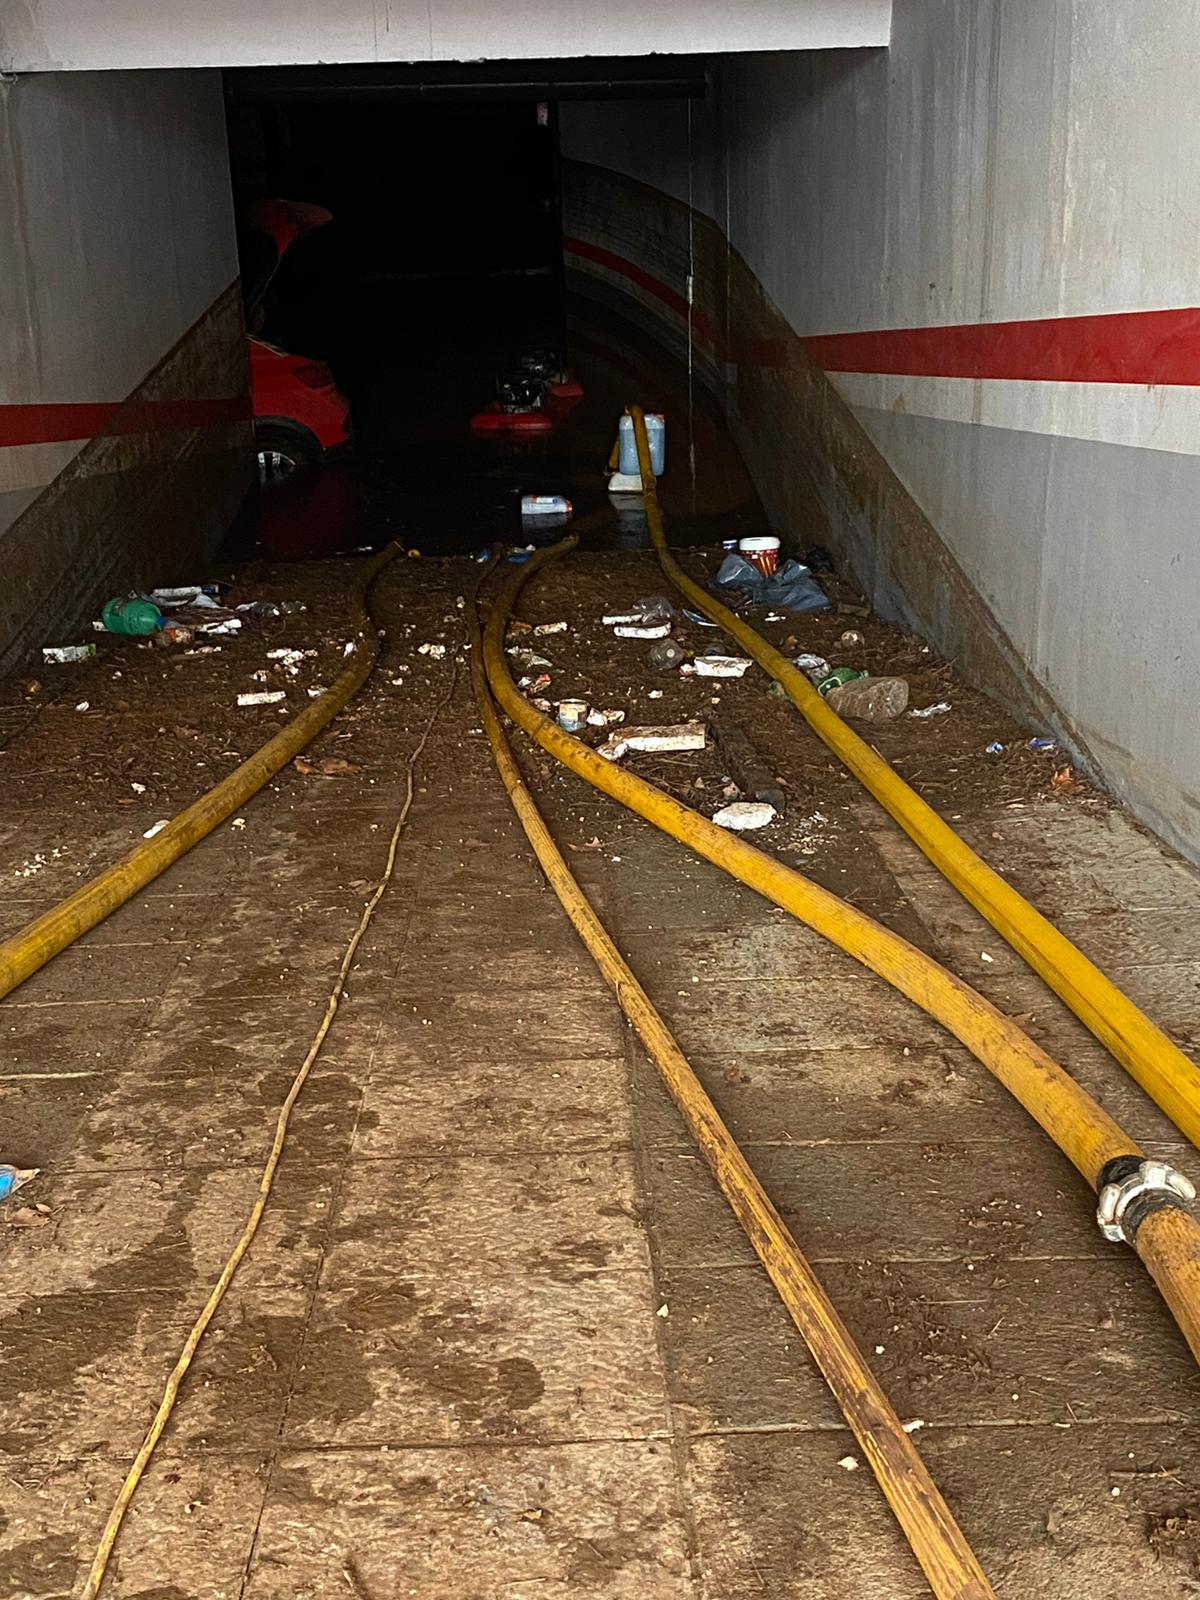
x=656 y=437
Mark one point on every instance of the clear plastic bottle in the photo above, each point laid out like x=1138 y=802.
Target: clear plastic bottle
x=870 y=699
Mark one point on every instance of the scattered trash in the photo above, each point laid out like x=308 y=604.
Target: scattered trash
x=852 y=639
x=290 y=661
x=721 y=666
x=536 y=685
x=273 y=608
x=701 y=622
x=743 y=815
x=848 y=1464
x=838 y=677
x=238 y=822
x=939 y=709
x=870 y=699
x=14 y=1178
x=914 y=1426
x=642 y=630
x=186 y=594
x=173 y=634
x=516 y=627
x=654 y=607
x=605 y=719
x=666 y=655
x=131 y=614
x=814 y=668
x=1043 y=746
x=318 y=689
x=138 y=788
x=684 y=736
x=60 y=654
x=325 y=767
x=156 y=827
x=84 y=705
x=572 y=715
x=28 y=1217
x=545 y=505
x=436 y=651
x=790 y=588
x=544 y=629
x=775 y=616
x=525 y=660
x=267 y=697
x=1064 y=778
x=762 y=552
x=483 y=555
x=655 y=694
x=994 y=749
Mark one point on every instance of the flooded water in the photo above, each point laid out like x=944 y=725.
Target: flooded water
x=417 y=474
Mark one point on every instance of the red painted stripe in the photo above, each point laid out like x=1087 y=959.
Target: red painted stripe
x=1146 y=347
x=701 y=321
x=52 y=424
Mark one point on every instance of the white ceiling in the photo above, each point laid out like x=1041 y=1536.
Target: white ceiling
x=74 y=35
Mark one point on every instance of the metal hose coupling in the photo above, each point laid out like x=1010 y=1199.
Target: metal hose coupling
x=1131 y=1188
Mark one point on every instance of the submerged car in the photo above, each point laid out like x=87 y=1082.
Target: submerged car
x=301 y=416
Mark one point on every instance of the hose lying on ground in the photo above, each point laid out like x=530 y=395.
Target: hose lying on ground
x=937 y=1541
x=1162 y=1069
x=39 y=941
x=1142 y=1202
x=191 y=1344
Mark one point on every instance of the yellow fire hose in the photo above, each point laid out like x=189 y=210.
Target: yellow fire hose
x=1166 y=1074
x=39 y=941
x=936 y=1539
x=1141 y=1201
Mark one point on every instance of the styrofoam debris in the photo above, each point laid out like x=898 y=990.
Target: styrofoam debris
x=684 y=736
x=721 y=666
x=84 y=705
x=848 y=1464
x=317 y=690
x=266 y=697
x=938 y=710
x=544 y=628
x=437 y=651
x=156 y=827
x=605 y=719
x=914 y=1426
x=642 y=630
x=743 y=815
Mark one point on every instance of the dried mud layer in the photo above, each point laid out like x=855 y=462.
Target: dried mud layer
x=499 y=1335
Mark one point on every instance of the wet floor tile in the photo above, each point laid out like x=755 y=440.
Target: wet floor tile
x=476 y=1357
x=159 y=1119
x=476 y=1524
x=777 y=1514
x=1019 y=1343
x=469 y=1024
x=411 y=1105
x=189 y=1532
x=136 y=1230
x=83 y=1373
x=561 y=1216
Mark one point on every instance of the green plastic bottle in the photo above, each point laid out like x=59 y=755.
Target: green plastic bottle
x=132 y=613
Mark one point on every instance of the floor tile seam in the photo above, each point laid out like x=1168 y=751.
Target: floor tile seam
x=678 y=1434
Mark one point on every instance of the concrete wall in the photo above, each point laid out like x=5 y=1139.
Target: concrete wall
x=959 y=330
x=124 y=444
x=42 y=35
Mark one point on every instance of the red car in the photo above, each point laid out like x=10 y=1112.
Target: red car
x=300 y=415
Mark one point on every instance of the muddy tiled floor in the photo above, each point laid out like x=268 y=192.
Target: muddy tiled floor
x=499 y=1336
